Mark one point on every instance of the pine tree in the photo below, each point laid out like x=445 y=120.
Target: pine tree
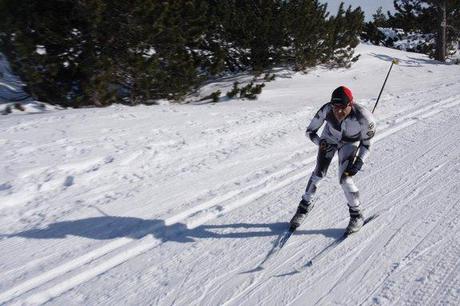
x=307 y=30
x=439 y=17
x=343 y=36
x=371 y=30
x=98 y=52
x=379 y=18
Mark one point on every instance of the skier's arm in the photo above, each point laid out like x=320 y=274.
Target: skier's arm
x=315 y=124
x=367 y=134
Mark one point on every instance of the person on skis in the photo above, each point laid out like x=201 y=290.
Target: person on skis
x=348 y=131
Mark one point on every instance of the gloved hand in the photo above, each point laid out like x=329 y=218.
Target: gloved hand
x=354 y=168
x=324 y=145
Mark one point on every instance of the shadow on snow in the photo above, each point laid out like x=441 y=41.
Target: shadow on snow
x=409 y=62
x=111 y=227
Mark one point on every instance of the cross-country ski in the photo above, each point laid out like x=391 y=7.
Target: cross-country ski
x=335 y=243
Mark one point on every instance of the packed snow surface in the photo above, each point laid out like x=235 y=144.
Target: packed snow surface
x=177 y=204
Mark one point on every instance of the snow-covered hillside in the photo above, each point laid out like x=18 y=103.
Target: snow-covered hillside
x=175 y=204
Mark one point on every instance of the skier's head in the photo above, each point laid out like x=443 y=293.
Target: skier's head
x=342 y=101
x=342 y=97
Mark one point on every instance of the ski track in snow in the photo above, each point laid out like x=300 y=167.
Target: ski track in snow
x=145 y=245
x=409 y=231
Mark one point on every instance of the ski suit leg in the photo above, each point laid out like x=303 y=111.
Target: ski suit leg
x=323 y=160
x=347 y=153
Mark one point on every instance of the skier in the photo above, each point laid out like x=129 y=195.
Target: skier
x=348 y=130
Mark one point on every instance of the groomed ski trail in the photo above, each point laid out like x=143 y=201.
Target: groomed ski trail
x=121 y=250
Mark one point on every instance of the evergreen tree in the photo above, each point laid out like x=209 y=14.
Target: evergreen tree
x=98 y=52
x=404 y=16
x=379 y=18
x=307 y=30
x=427 y=16
x=343 y=35
x=370 y=30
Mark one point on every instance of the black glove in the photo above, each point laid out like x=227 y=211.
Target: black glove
x=354 y=168
x=324 y=145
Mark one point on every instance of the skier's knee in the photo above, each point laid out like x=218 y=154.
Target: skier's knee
x=315 y=178
x=312 y=185
x=344 y=179
x=320 y=172
x=351 y=193
x=348 y=185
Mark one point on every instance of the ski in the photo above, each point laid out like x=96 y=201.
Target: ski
x=281 y=241
x=277 y=246
x=284 y=237
x=334 y=244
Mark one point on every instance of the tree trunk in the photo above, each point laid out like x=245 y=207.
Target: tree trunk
x=441 y=44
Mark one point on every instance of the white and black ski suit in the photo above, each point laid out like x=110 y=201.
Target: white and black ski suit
x=351 y=138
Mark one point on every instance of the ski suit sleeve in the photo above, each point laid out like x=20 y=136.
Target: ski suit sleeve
x=367 y=133
x=315 y=124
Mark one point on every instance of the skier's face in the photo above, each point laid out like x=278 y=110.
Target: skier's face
x=341 y=112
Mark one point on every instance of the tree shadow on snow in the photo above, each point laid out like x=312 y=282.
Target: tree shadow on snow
x=409 y=62
x=111 y=227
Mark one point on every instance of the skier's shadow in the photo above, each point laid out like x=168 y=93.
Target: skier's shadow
x=111 y=227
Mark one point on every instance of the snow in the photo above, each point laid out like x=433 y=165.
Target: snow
x=410 y=41
x=171 y=204
x=391 y=33
x=40 y=50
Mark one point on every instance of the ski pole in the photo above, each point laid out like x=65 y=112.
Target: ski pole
x=394 y=61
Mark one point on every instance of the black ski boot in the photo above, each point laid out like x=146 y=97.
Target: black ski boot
x=301 y=213
x=356 y=221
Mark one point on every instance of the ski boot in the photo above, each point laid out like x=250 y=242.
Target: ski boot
x=356 y=221
x=302 y=211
